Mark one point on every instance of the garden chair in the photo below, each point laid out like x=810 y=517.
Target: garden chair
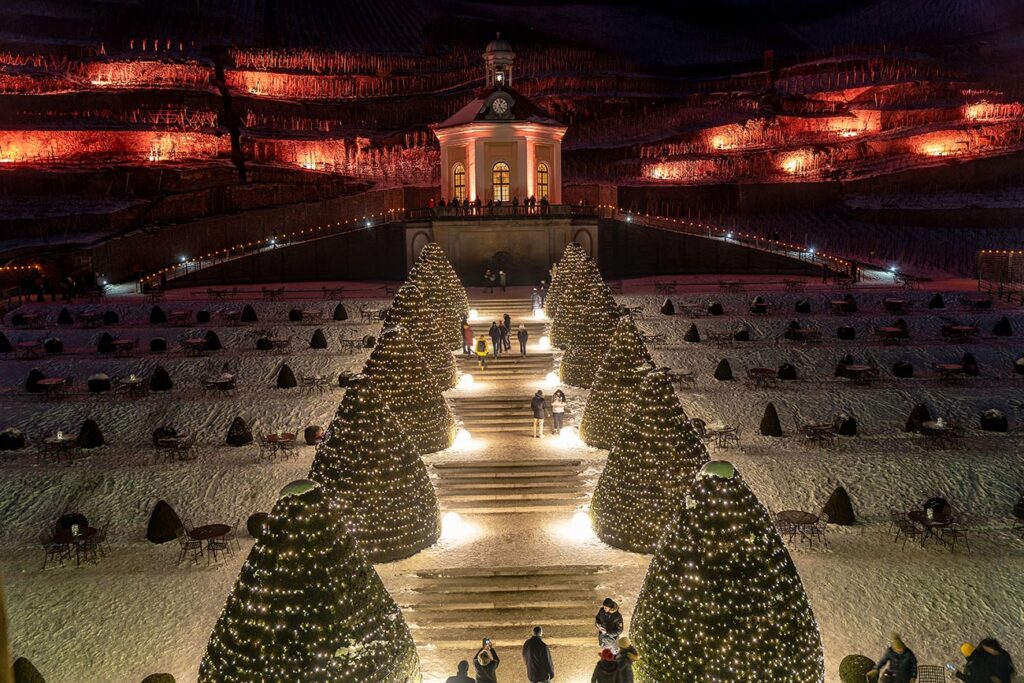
x=188 y=545
x=54 y=551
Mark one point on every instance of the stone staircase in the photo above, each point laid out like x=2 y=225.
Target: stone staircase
x=510 y=486
x=455 y=608
x=509 y=367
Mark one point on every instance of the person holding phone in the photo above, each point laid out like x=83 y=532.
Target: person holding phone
x=486 y=663
x=902 y=663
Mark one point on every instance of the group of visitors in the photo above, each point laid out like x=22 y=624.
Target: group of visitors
x=490 y=278
x=497 y=340
x=986 y=663
x=614 y=665
x=476 y=207
x=542 y=408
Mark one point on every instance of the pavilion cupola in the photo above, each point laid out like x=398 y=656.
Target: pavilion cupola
x=499 y=57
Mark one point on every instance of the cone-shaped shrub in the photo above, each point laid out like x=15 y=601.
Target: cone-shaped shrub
x=90 y=436
x=565 y=271
x=160 y=380
x=1002 y=328
x=722 y=600
x=770 y=425
x=370 y=468
x=902 y=369
x=239 y=433
x=212 y=341
x=318 y=340
x=32 y=381
x=723 y=372
x=105 y=344
x=163 y=523
x=692 y=334
x=64 y=317
x=936 y=301
x=5 y=344
x=442 y=290
x=613 y=396
x=157 y=316
x=286 y=378
x=589 y=339
x=668 y=308
x=839 y=508
x=295 y=315
x=26 y=672
x=582 y=296
x=203 y=317
x=111 y=318
x=918 y=416
x=249 y=314
x=401 y=374
x=649 y=472
x=412 y=312
x=307 y=606
x=340 y=312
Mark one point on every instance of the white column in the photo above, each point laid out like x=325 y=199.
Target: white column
x=482 y=187
x=531 y=167
x=556 y=174
x=521 y=187
x=445 y=174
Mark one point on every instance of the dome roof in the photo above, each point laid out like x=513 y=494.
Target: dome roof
x=499 y=44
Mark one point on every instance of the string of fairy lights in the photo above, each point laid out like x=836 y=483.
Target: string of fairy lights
x=307 y=605
x=722 y=601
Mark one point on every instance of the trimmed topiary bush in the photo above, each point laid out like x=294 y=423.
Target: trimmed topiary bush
x=89 y=436
x=256 y=523
x=855 y=668
x=105 y=343
x=203 y=317
x=770 y=425
x=787 y=372
x=32 y=383
x=53 y=345
x=918 y=416
x=994 y=421
x=839 y=509
x=111 y=318
x=163 y=523
x=902 y=369
x=64 y=317
x=239 y=433
x=313 y=434
x=1002 y=328
x=157 y=344
x=25 y=672
x=723 y=373
x=318 y=340
x=160 y=380
x=802 y=306
x=157 y=316
x=668 y=308
x=249 y=314
x=340 y=312
x=295 y=315
x=715 y=308
x=692 y=335
x=286 y=378
x=212 y=341
x=936 y=302
x=158 y=678
x=846 y=333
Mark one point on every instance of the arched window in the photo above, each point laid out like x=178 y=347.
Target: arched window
x=458 y=182
x=542 y=180
x=500 y=180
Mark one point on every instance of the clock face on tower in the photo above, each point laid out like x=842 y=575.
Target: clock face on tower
x=499 y=105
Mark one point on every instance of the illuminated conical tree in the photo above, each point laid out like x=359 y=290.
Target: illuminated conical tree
x=722 y=601
x=441 y=288
x=572 y=257
x=369 y=467
x=649 y=472
x=589 y=335
x=613 y=395
x=569 y=318
x=400 y=372
x=307 y=606
x=411 y=311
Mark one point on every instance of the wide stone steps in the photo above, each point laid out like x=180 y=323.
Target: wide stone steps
x=455 y=608
x=493 y=487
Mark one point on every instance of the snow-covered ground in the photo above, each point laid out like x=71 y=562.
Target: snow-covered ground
x=137 y=612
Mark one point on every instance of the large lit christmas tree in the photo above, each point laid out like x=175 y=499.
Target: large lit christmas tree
x=307 y=606
x=442 y=290
x=649 y=472
x=589 y=335
x=613 y=395
x=722 y=601
x=575 y=301
x=572 y=257
x=370 y=468
x=410 y=310
x=401 y=374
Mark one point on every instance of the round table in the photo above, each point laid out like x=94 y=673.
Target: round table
x=209 y=532
x=283 y=437
x=79 y=541
x=797 y=517
x=51 y=382
x=891 y=330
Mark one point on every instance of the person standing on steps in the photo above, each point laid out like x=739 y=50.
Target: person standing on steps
x=489 y=281
x=536 y=303
x=467 y=337
x=537 y=658
x=486 y=663
x=557 y=412
x=481 y=351
x=502 y=279
x=543 y=291
x=507 y=320
x=495 y=334
x=628 y=654
x=538 y=406
x=522 y=335
x=609 y=625
x=462 y=675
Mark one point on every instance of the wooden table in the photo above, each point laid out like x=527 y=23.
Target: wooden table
x=179 y=318
x=81 y=542
x=53 y=387
x=194 y=347
x=858 y=373
x=762 y=377
x=653 y=338
x=30 y=349
x=123 y=347
x=891 y=334
x=90 y=319
x=219 y=294
x=273 y=294
x=280 y=441
x=949 y=370
x=231 y=317
x=224 y=382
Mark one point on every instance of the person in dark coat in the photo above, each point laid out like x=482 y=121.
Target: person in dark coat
x=608 y=669
x=609 y=625
x=993 y=663
x=486 y=663
x=537 y=658
x=463 y=674
x=505 y=332
x=539 y=407
x=522 y=334
x=507 y=324
x=628 y=654
x=900 y=659
x=489 y=281
x=495 y=334
x=971 y=673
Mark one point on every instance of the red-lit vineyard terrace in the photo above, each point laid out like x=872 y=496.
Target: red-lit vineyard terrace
x=446 y=341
